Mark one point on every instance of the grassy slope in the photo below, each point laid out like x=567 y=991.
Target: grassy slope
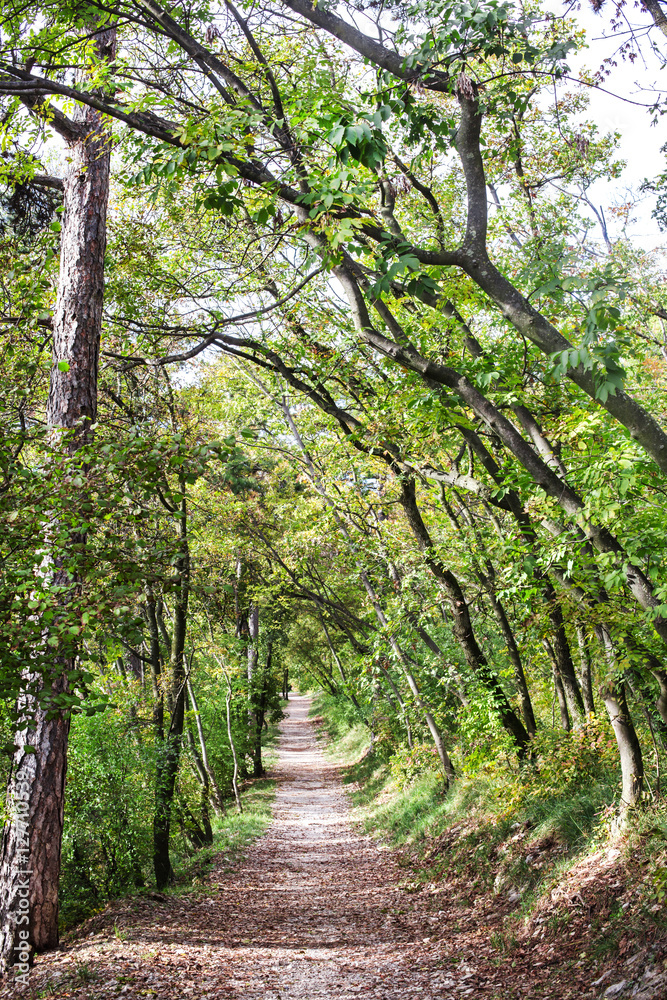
x=531 y=861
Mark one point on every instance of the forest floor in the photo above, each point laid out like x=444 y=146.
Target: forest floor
x=318 y=911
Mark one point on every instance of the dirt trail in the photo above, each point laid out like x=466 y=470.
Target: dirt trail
x=311 y=913
x=316 y=912
x=317 y=899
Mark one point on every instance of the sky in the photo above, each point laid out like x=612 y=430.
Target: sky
x=640 y=143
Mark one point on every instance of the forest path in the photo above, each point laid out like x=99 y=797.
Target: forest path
x=314 y=911
x=317 y=911
x=314 y=899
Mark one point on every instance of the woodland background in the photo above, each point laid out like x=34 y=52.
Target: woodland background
x=322 y=366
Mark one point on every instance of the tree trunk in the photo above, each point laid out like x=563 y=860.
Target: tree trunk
x=558 y=687
x=31 y=843
x=462 y=626
x=513 y=653
x=218 y=803
x=632 y=766
x=260 y=699
x=586 y=671
x=661 y=703
x=341 y=670
x=560 y=650
x=232 y=747
x=169 y=754
x=156 y=664
x=401 y=704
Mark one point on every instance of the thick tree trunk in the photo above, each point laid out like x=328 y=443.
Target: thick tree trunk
x=31 y=842
x=657 y=13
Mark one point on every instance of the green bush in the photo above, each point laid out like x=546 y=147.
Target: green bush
x=107 y=845
x=406 y=765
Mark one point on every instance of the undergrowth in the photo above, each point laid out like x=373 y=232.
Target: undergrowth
x=232 y=833
x=507 y=832
x=81 y=897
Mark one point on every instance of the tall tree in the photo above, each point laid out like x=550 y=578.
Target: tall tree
x=39 y=764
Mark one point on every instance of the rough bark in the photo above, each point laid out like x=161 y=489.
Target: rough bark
x=37 y=780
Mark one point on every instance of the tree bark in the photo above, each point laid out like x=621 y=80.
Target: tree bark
x=32 y=842
x=632 y=767
x=169 y=754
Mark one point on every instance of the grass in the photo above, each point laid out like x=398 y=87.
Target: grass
x=534 y=849
x=488 y=804
x=232 y=833
x=509 y=835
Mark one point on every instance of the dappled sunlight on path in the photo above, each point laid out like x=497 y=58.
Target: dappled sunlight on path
x=314 y=911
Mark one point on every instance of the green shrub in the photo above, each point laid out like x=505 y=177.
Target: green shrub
x=406 y=765
x=107 y=846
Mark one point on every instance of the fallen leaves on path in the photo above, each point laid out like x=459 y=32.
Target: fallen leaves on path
x=316 y=911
